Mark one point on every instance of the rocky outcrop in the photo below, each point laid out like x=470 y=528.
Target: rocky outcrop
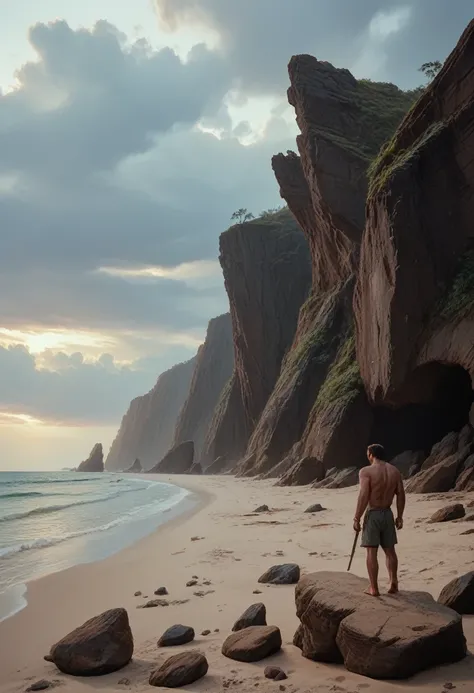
x=267 y=276
x=213 y=369
x=95 y=461
x=414 y=301
x=392 y=637
x=319 y=393
x=178 y=460
x=136 y=468
x=147 y=429
x=304 y=472
x=100 y=646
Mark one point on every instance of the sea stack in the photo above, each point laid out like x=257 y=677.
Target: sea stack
x=95 y=461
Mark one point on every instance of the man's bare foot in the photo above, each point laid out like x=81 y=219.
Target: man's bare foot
x=393 y=589
x=372 y=591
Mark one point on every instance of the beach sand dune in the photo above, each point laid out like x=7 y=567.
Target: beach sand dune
x=224 y=547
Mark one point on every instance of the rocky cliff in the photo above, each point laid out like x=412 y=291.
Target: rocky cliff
x=95 y=461
x=147 y=429
x=267 y=276
x=213 y=369
x=319 y=393
x=414 y=300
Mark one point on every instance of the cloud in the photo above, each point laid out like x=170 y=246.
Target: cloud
x=71 y=390
x=258 y=38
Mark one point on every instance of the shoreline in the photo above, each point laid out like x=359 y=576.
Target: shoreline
x=234 y=546
x=19 y=592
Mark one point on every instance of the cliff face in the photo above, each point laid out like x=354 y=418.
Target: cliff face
x=214 y=365
x=147 y=429
x=416 y=244
x=95 y=461
x=267 y=276
x=343 y=123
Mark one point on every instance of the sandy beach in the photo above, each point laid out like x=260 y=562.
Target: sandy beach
x=223 y=542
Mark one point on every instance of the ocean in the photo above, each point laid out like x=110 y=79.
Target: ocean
x=50 y=521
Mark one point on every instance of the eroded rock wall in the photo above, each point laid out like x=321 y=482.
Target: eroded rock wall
x=214 y=366
x=147 y=429
x=319 y=392
x=267 y=275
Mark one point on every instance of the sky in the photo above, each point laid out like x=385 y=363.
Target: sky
x=129 y=134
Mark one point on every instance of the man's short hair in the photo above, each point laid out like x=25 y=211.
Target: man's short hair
x=378 y=451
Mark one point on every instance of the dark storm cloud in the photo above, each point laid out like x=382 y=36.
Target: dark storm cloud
x=259 y=36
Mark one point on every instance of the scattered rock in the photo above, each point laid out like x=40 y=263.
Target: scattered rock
x=285 y=574
x=385 y=638
x=161 y=591
x=124 y=682
x=317 y=508
x=40 y=685
x=206 y=632
x=197 y=538
x=255 y=615
x=176 y=635
x=207 y=582
x=137 y=594
x=203 y=594
x=216 y=630
x=153 y=603
x=275 y=673
x=191 y=583
x=180 y=670
x=468 y=531
x=257 y=592
x=100 y=646
x=459 y=594
x=262 y=509
x=450 y=512
x=252 y=644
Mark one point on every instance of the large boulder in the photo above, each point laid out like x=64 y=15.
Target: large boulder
x=459 y=594
x=178 y=460
x=95 y=461
x=100 y=646
x=465 y=481
x=180 y=670
x=391 y=637
x=448 y=513
x=409 y=462
x=339 y=478
x=440 y=477
x=304 y=472
x=285 y=574
x=252 y=644
x=255 y=615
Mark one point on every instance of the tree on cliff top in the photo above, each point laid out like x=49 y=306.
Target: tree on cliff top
x=431 y=69
x=241 y=216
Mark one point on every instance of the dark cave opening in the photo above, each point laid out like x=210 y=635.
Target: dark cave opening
x=435 y=400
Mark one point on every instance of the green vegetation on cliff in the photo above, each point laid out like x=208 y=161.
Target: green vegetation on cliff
x=458 y=300
x=343 y=382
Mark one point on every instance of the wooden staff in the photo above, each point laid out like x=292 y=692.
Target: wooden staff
x=353 y=550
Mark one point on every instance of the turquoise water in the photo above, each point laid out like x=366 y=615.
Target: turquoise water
x=52 y=521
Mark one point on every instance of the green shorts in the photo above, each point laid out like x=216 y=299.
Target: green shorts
x=379 y=529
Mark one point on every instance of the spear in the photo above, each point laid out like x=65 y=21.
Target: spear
x=353 y=550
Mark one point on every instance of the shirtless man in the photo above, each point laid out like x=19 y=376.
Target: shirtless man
x=379 y=483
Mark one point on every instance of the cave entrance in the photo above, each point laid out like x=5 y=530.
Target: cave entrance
x=435 y=400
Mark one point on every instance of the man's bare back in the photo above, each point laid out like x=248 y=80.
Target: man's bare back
x=384 y=480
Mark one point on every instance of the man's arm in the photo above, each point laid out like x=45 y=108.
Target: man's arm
x=401 y=499
x=363 y=499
